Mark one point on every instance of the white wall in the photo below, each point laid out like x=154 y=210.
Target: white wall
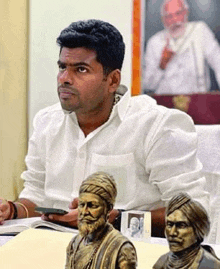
x=47 y=19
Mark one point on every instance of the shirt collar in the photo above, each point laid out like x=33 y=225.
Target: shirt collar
x=121 y=106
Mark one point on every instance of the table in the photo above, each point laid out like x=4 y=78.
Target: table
x=46 y=249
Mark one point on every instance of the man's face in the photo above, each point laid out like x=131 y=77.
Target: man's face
x=92 y=212
x=82 y=85
x=179 y=232
x=134 y=225
x=174 y=18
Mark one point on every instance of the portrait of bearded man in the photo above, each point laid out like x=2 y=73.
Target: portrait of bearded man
x=98 y=244
x=177 y=58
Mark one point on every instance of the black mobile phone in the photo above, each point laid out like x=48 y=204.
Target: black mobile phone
x=47 y=211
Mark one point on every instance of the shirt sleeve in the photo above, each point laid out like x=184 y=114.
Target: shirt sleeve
x=127 y=258
x=171 y=160
x=211 y=49
x=152 y=74
x=34 y=176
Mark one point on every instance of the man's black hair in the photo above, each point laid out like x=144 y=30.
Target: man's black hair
x=100 y=36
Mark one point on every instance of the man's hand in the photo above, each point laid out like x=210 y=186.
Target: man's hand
x=70 y=219
x=166 y=56
x=4 y=210
x=114 y=213
x=74 y=203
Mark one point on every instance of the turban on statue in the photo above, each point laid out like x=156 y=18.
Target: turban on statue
x=194 y=211
x=101 y=184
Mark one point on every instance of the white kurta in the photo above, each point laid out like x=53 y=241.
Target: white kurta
x=187 y=72
x=149 y=149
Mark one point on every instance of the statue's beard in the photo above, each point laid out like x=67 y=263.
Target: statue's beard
x=89 y=228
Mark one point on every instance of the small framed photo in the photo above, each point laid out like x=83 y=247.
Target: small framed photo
x=136 y=225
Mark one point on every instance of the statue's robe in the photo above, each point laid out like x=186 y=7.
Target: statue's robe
x=115 y=252
x=204 y=260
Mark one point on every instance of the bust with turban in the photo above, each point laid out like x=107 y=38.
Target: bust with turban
x=101 y=184
x=98 y=244
x=187 y=224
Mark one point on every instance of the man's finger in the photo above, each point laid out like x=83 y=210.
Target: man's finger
x=74 y=203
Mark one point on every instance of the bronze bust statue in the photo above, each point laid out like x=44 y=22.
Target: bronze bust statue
x=98 y=244
x=187 y=224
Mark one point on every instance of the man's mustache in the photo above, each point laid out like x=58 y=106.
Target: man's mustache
x=68 y=89
x=87 y=218
x=176 y=25
x=176 y=240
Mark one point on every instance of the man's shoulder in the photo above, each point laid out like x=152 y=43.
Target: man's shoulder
x=145 y=104
x=198 y=25
x=160 y=263
x=50 y=109
x=209 y=261
x=49 y=112
x=147 y=110
x=157 y=36
x=117 y=238
x=73 y=242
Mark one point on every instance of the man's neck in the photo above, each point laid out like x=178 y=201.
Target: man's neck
x=88 y=122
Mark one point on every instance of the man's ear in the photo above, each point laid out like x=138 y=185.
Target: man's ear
x=114 y=80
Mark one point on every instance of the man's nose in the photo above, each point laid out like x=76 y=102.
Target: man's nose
x=64 y=77
x=84 y=210
x=174 y=19
x=173 y=230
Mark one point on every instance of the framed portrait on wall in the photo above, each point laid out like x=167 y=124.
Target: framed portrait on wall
x=180 y=56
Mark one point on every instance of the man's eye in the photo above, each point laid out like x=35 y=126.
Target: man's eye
x=182 y=225
x=91 y=205
x=62 y=67
x=169 y=224
x=82 y=69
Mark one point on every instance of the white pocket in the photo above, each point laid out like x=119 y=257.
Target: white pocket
x=122 y=168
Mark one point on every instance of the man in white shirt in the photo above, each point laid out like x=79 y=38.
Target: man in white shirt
x=177 y=59
x=150 y=150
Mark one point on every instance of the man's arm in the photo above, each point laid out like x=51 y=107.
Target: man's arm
x=70 y=219
x=152 y=73
x=27 y=210
x=211 y=49
x=22 y=208
x=172 y=162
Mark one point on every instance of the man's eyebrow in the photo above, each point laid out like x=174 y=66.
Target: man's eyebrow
x=74 y=64
x=178 y=222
